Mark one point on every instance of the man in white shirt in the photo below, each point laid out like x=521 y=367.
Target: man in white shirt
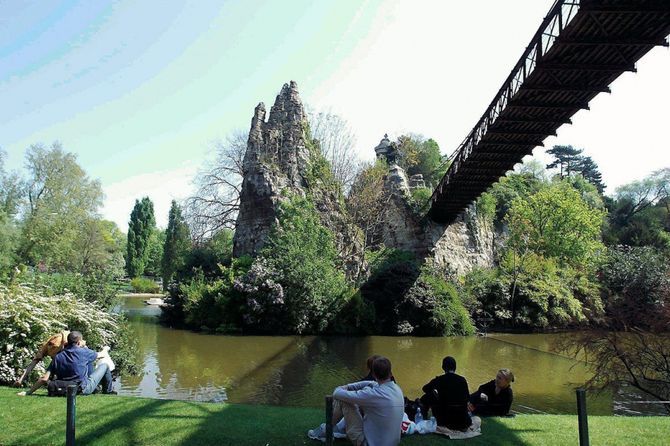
x=381 y=403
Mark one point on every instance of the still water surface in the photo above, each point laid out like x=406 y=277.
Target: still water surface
x=300 y=370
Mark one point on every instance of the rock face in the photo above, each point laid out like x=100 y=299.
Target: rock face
x=459 y=247
x=275 y=167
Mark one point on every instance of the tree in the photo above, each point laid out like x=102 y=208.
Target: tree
x=556 y=222
x=11 y=194
x=141 y=226
x=296 y=285
x=367 y=202
x=589 y=170
x=567 y=159
x=640 y=212
x=215 y=204
x=155 y=246
x=337 y=144
x=61 y=201
x=177 y=244
x=421 y=156
x=552 y=228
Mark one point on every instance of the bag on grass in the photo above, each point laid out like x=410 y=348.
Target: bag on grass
x=58 y=387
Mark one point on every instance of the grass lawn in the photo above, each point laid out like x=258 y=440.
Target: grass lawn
x=113 y=420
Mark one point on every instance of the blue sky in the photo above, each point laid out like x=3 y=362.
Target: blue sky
x=139 y=90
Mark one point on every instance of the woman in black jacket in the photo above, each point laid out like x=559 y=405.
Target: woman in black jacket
x=493 y=398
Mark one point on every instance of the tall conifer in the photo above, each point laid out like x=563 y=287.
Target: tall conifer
x=140 y=227
x=177 y=243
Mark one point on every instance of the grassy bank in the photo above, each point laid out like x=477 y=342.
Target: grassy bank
x=112 y=420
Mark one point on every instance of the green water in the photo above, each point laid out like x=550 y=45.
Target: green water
x=299 y=371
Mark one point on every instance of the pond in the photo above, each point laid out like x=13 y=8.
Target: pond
x=300 y=370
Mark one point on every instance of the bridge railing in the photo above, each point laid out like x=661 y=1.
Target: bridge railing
x=559 y=16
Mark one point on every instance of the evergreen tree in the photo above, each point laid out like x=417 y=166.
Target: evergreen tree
x=567 y=159
x=589 y=170
x=140 y=228
x=177 y=244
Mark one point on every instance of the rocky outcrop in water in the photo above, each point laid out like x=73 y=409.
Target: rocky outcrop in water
x=277 y=165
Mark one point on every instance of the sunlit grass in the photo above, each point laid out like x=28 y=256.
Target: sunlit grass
x=110 y=420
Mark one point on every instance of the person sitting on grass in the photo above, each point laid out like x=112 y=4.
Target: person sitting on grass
x=493 y=398
x=54 y=345
x=447 y=396
x=382 y=403
x=75 y=364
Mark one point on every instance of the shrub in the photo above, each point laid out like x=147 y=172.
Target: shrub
x=28 y=317
x=296 y=285
x=407 y=300
x=208 y=304
x=636 y=283
x=144 y=285
x=97 y=285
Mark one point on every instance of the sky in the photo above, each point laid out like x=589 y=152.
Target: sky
x=140 y=91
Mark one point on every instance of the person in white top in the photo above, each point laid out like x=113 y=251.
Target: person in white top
x=373 y=410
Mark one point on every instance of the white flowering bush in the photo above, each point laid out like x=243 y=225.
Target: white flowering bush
x=28 y=318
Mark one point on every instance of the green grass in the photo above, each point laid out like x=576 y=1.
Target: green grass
x=111 y=420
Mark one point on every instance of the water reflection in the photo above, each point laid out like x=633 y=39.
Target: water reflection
x=299 y=371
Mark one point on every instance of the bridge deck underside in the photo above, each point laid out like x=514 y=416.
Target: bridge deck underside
x=603 y=40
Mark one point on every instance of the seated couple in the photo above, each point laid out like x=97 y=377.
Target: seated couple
x=452 y=405
x=369 y=412
x=72 y=361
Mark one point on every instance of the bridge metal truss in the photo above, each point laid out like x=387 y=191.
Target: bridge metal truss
x=579 y=49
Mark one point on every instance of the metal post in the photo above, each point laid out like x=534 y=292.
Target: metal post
x=582 y=417
x=71 y=412
x=329 y=420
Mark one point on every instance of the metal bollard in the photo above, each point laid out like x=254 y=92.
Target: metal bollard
x=582 y=418
x=71 y=413
x=329 y=420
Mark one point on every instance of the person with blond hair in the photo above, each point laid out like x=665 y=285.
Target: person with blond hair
x=493 y=398
x=54 y=345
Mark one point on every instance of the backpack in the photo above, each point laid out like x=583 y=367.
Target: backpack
x=58 y=387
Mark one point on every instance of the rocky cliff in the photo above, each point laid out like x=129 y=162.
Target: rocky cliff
x=459 y=247
x=279 y=162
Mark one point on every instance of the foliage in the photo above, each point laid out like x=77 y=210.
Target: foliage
x=207 y=256
x=570 y=161
x=556 y=222
x=419 y=199
x=408 y=300
x=418 y=155
x=486 y=207
x=319 y=173
x=640 y=213
x=543 y=295
x=508 y=188
x=176 y=246
x=62 y=202
x=141 y=226
x=367 y=202
x=336 y=142
x=28 y=318
x=636 y=283
x=208 y=304
x=155 y=247
x=145 y=285
x=296 y=284
x=96 y=285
